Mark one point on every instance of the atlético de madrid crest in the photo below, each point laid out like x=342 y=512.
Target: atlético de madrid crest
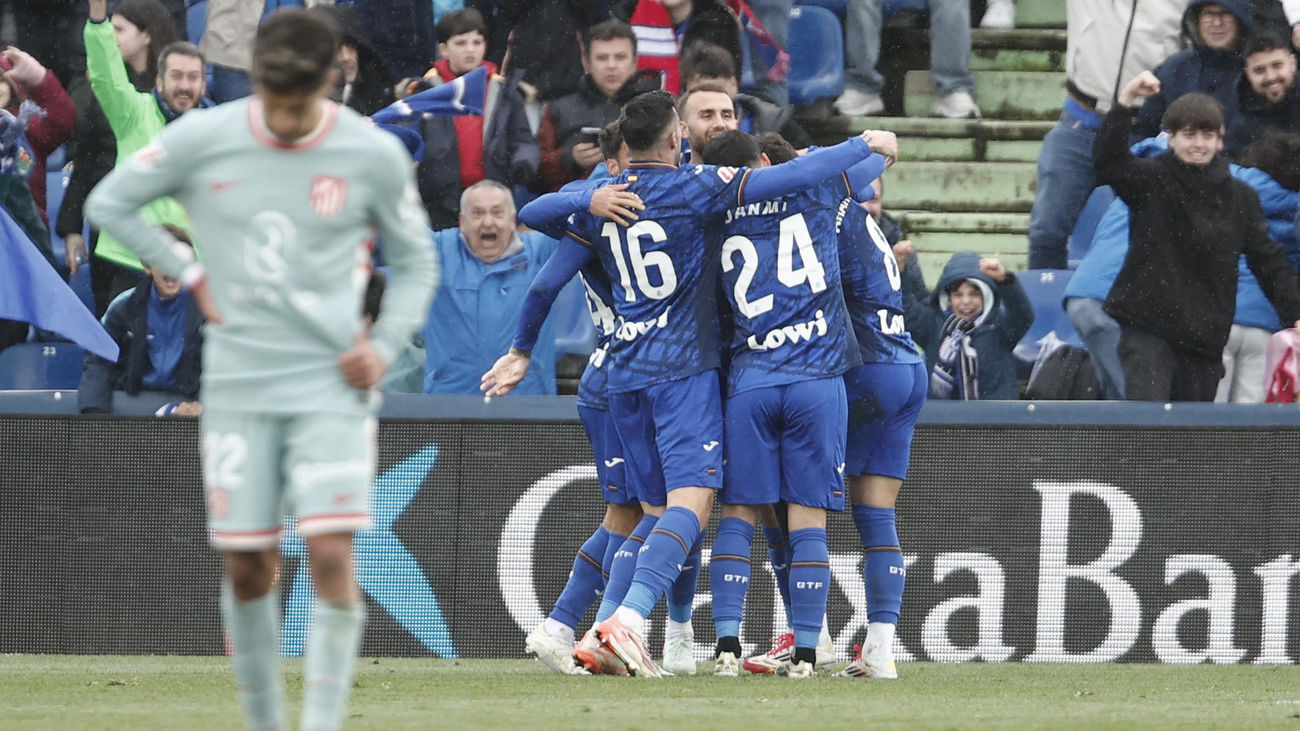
x=328 y=194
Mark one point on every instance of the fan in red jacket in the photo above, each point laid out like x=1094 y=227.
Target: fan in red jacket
x=25 y=78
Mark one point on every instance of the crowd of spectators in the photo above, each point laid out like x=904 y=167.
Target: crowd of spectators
x=557 y=72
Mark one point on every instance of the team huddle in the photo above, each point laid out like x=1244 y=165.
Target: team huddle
x=804 y=376
x=287 y=192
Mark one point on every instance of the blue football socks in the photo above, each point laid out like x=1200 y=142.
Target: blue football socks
x=586 y=581
x=810 y=584
x=729 y=570
x=623 y=567
x=662 y=559
x=883 y=571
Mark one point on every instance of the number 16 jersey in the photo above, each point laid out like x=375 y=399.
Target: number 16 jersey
x=663 y=270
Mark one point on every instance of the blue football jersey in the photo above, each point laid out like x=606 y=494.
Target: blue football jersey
x=663 y=270
x=781 y=275
x=595 y=377
x=873 y=289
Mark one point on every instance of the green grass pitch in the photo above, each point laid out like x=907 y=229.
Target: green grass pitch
x=197 y=693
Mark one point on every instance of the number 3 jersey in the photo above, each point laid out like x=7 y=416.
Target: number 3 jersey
x=286 y=233
x=663 y=270
x=781 y=274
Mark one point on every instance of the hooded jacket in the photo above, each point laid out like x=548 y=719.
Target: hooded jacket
x=1198 y=68
x=1006 y=318
x=1189 y=225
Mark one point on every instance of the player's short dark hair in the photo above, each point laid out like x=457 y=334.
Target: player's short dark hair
x=180 y=48
x=734 y=147
x=776 y=148
x=645 y=118
x=457 y=22
x=1265 y=40
x=294 y=51
x=1277 y=153
x=708 y=60
x=1194 y=111
x=707 y=87
x=611 y=139
x=608 y=30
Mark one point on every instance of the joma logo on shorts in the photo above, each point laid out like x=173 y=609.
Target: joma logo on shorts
x=790 y=334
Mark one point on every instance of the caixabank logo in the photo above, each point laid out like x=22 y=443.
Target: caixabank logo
x=1020 y=544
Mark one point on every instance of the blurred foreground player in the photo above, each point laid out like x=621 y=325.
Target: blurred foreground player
x=294 y=187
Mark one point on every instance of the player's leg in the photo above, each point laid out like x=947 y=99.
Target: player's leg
x=679 y=634
x=243 y=490
x=729 y=574
x=886 y=402
x=552 y=641
x=687 y=417
x=330 y=460
x=812 y=482
x=752 y=421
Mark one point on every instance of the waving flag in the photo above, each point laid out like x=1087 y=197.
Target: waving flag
x=32 y=292
x=766 y=51
x=463 y=95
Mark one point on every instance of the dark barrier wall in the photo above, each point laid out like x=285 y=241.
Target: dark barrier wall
x=1027 y=542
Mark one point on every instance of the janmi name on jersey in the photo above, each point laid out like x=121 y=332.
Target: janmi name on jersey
x=776 y=337
x=761 y=208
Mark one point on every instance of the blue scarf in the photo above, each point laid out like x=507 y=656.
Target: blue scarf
x=956 y=373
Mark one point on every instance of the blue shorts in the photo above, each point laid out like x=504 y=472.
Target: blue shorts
x=787 y=443
x=608 y=452
x=672 y=435
x=884 y=401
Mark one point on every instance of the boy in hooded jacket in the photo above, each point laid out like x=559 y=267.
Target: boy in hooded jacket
x=968 y=327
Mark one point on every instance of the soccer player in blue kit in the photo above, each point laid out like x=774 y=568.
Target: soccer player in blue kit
x=664 y=387
x=786 y=412
x=885 y=397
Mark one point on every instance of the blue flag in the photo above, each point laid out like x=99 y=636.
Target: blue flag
x=463 y=95
x=32 y=292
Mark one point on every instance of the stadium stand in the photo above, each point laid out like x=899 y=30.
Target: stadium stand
x=1045 y=288
x=816 y=46
x=39 y=366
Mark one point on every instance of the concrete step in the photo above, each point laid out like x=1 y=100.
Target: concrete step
x=1040 y=13
x=916 y=222
x=1016 y=60
x=1036 y=39
x=1017 y=50
x=929 y=138
x=937 y=236
x=968 y=150
x=999 y=94
x=962 y=186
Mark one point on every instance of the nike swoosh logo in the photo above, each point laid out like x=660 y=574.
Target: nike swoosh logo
x=612 y=462
x=710 y=446
x=218 y=187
